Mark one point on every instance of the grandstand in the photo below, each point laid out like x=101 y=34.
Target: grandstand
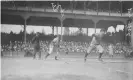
x=92 y=14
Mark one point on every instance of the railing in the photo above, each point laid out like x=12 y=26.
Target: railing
x=49 y=9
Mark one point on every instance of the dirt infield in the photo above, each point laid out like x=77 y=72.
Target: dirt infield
x=69 y=67
x=65 y=69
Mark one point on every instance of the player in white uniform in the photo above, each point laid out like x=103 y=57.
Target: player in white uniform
x=96 y=43
x=54 y=44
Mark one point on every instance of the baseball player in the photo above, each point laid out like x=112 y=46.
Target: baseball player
x=96 y=43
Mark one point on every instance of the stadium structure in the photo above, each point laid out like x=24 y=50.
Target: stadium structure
x=81 y=14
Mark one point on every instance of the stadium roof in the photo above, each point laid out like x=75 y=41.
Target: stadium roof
x=115 y=6
x=79 y=5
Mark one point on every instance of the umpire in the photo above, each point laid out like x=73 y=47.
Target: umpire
x=36 y=43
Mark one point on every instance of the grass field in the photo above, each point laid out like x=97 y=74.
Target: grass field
x=70 y=67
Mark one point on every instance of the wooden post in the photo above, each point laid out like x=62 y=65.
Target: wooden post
x=25 y=17
x=61 y=28
x=95 y=23
x=25 y=20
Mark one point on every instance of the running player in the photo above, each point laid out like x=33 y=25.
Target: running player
x=96 y=43
x=54 y=44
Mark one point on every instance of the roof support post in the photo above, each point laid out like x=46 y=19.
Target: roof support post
x=53 y=30
x=95 y=23
x=61 y=22
x=87 y=31
x=25 y=17
x=56 y=30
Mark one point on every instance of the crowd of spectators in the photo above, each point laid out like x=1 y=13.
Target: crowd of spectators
x=71 y=46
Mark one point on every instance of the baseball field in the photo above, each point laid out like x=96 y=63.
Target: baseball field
x=68 y=67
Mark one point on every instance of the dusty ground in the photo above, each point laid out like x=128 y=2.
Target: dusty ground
x=67 y=68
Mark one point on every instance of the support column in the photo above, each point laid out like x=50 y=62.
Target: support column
x=68 y=31
x=61 y=28
x=25 y=20
x=95 y=23
x=56 y=30
x=53 y=30
x=87 y=31
x=61 y=20
x=125 y=32
x=95 y=26
x=25 y=17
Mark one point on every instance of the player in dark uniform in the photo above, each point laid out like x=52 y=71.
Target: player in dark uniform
x=96 y=43
x=36 y=43
x=55 y=43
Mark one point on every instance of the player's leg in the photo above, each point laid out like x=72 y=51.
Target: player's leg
x=34 y=56
x=88 y=52
x=66 y=52
x=1 y=53
x=11 y=52
x=35 y=51
x=39 y=54
x=110 y=54
x=39 y=51
x=100 y=50
x=57 y=54
x=47 y=55
x=100 y=55
x=49 y=52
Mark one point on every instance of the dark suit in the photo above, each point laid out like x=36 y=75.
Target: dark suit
x=36 y=43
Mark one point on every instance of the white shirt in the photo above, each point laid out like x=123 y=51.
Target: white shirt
x=56 y=39
x=94 y=41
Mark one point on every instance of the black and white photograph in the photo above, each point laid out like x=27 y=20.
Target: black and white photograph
x=66 y=40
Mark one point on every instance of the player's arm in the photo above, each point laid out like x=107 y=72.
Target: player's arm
x=93 y=38
x=33 y=39
x=93 y=41
x=55 y=39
